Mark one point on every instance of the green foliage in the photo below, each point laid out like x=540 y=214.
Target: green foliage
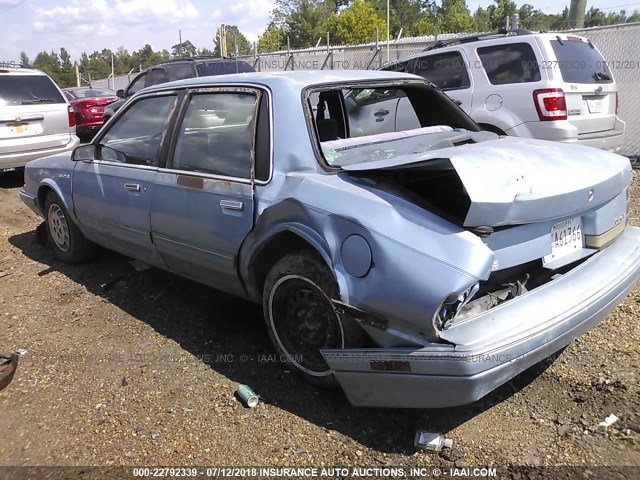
x=454 y=17
x=24 y=60
x=184 y=49
x=235 y=38
x=272 y=39
x=355 y=24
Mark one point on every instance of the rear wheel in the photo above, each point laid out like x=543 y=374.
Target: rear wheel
x=301 y=318
x=66 y=239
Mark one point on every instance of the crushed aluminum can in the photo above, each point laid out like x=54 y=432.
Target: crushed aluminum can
x=247 y=396
x=432 y=442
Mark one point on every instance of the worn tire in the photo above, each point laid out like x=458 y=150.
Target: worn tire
x=65 y=238
x=301 y=319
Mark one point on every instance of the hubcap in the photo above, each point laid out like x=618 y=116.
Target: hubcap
x=304 y=322
x=58 y=227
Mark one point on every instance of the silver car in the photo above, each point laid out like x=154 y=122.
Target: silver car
x=35 y=118
x=419 y=267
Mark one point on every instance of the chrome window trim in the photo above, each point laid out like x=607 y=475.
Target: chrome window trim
x=210 y=176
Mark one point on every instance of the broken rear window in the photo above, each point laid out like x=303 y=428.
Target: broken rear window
x=359 y=124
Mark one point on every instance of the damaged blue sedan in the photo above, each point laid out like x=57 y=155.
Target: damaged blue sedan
x=397 y=250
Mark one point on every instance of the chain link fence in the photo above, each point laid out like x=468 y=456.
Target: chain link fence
x=618 y=44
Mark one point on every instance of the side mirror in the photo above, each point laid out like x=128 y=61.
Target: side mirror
x=84 y=153
x=120 y=93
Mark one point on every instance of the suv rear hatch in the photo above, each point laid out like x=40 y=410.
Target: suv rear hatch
x=591 y=91
x=33 y=114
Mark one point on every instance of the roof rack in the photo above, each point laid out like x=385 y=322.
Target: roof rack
x=475 y=38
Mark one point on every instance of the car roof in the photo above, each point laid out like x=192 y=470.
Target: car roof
x=292 y=79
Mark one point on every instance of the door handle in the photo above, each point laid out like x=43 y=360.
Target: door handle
x=231 y=205
x=381 y=113
x=132 y=187
x=458 y=102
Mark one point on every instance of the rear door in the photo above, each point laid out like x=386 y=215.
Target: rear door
x=449 y=72
x=590 y=92
x=33 y=114
x=203 y=201
x=112 y=192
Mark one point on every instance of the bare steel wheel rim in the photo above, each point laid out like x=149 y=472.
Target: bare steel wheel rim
x=308 y=323
x=58 y=227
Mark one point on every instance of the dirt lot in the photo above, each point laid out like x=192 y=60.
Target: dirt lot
x=142 y=371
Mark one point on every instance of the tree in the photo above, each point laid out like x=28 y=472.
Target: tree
x=24 y=60
x=272 y=39
x=235 y=38
x=303 y=21
x=501 y=10
x=355 y=24
x=49 y=63
x=454 y=17
x=481 y=20
x=184 y=49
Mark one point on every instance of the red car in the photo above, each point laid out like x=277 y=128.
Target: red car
x=88 y=104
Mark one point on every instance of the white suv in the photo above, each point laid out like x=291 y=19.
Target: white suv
x=549 y=86
x=35 y=118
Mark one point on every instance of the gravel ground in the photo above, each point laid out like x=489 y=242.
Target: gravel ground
x=142 y=371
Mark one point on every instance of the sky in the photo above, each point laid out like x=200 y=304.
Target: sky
x=89 y=25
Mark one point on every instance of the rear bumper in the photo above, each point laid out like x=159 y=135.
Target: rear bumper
x=492 y=348
x=20 y=159
x=563 y=131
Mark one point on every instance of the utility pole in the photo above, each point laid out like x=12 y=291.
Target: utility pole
x=388 y=53
x=223 y=41
x=576 y=13
x=180 y=42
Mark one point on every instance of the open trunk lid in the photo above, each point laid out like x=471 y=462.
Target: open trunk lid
x=510 y=181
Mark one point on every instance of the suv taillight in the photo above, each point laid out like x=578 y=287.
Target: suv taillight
x=72 y=116
x=617 y=103
x=550 y=104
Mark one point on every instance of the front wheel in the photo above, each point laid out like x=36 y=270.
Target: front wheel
x=301 y=318
x=66 y=239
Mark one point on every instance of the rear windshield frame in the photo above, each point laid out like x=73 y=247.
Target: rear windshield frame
x=574 y=68
x=26 y=88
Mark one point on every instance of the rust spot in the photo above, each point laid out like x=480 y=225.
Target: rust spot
x=191 y=182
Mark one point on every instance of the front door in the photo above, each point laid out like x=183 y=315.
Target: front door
x=202 y=207
x=112 y=192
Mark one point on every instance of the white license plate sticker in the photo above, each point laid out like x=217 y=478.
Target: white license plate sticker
x=594 y=106
x=566 y=237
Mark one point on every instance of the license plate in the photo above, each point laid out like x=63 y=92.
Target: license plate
x=594 y=106
x=566 y=237
x=18 y=129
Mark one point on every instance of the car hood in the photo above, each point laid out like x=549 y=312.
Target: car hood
x=511 y=181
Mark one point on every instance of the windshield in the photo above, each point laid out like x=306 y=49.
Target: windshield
x=362 y=124
x=580 y=62
x=27 y=90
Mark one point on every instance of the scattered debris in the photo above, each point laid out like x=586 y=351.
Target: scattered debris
x=247 y=396
x=22 y=351
x=110 y=284
x=187 y=410
x=432 y=442
x=3 y=274
x=610 y=420
x=8 y=367
x=155 y=436
x=124 y=382
x=139 y=266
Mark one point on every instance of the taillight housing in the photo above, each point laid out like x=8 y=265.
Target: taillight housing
x=550 y=104
x=72 y=116
x=617 y=103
